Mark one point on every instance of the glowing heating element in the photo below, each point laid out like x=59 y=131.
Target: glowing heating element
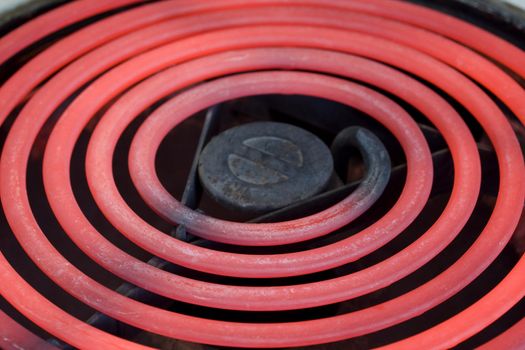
x=237 y=48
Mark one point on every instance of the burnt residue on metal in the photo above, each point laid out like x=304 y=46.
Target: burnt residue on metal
x=264 y=166
x=376 y=161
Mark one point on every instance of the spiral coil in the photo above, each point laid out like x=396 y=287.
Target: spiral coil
x=352 y=52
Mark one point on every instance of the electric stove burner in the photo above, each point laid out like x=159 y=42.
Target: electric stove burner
x=110 y=239
x=264 y=166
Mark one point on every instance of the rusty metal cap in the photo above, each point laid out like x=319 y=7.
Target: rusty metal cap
x=264 y=166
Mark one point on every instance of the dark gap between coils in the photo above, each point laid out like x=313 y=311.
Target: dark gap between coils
x=510 y=318
x=174 y=175
x=45 y=215
x=85 y=198
x=467 y=296
x=92 y=212
x=21 y=58
x=421 y=119
x=293 y=107
x=17 y=256
x=52 y=229
x=470 y=120
x=477 y=289
x=457 y=303
x=18 y=317
x=440 y=195
x=122 y=179
x=502 y=19
x=10 y=247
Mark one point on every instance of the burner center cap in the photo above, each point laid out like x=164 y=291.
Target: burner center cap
x=264 y=166
x=265 y=160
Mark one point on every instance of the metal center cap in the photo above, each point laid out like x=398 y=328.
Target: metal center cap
x=264 y=166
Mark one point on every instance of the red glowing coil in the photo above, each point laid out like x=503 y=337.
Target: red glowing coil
x=139 y=56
